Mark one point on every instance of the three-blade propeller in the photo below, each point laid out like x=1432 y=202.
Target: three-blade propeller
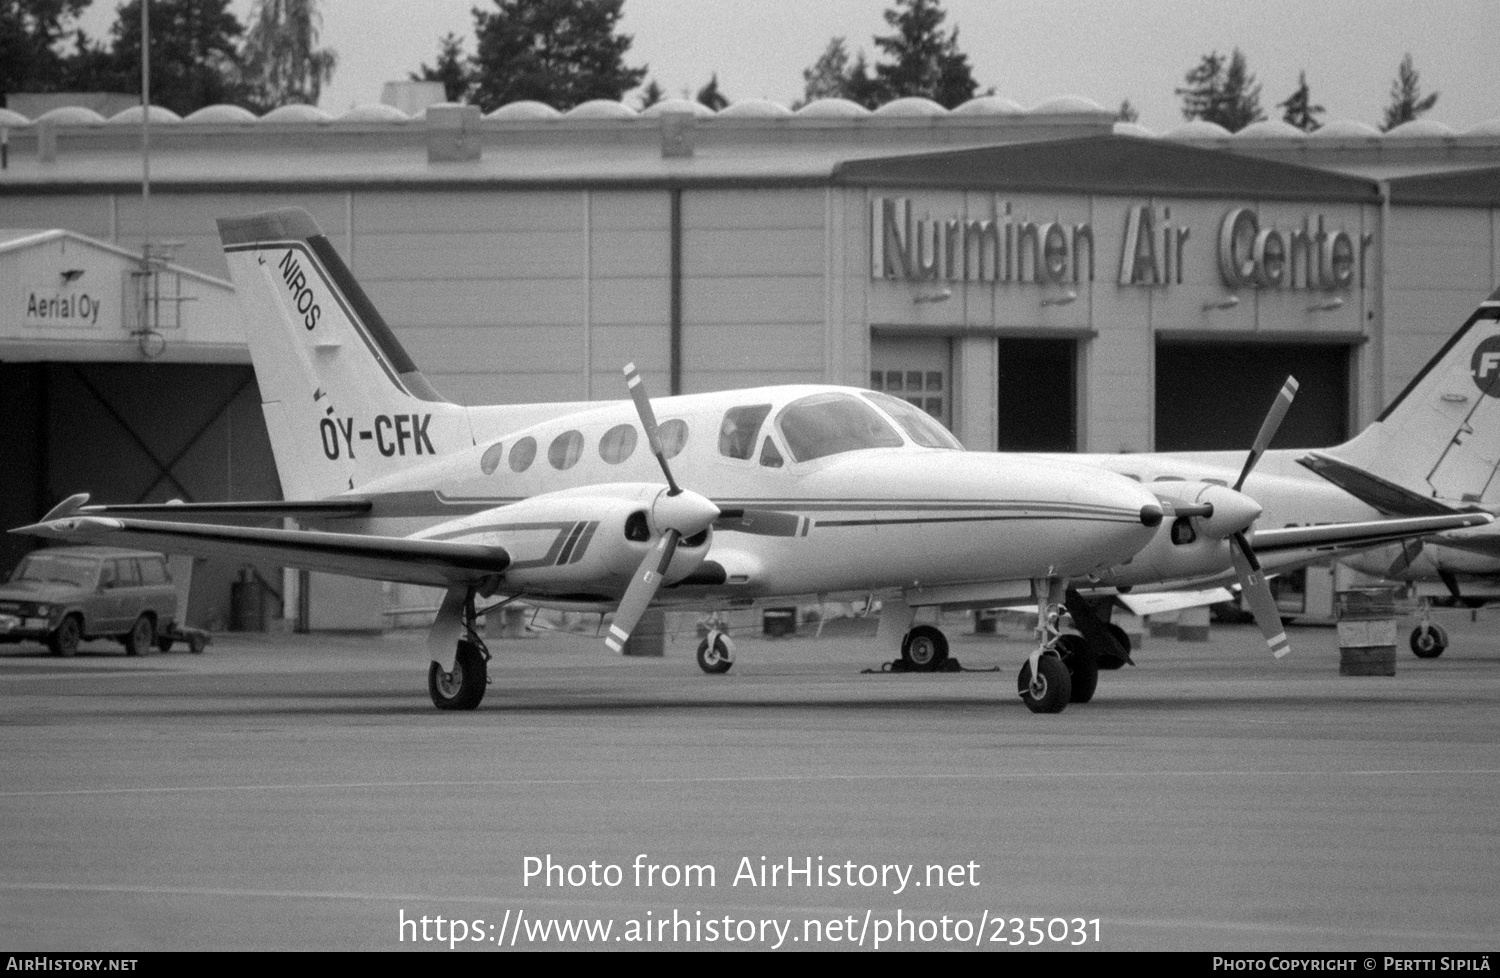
x=680 y=513
x=1253 y=583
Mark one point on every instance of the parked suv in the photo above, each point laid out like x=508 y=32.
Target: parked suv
x=66 y=595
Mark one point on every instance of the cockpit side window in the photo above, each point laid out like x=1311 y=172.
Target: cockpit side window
x=920 y=426
x=770 y=457
x=738 y=430
x=827 y=424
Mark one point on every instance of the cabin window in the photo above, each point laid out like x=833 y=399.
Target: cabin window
x=738 y=430
x=618 y=444
x=674 y=436
x=565 y=449
x=522 y=454
x=828 y=424
x=769 y=456
x=920 y=426
x=490 y=460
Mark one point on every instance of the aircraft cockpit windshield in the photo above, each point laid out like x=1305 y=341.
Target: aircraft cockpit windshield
x=920 y=426
x=827 y=424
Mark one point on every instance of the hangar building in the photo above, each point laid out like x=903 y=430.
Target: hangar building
x=1045 y=279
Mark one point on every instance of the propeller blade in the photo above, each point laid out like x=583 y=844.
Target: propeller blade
x=1268 y=427
x=763 y=522
x=1257 y=591
x=643 y=587
x=648 y=421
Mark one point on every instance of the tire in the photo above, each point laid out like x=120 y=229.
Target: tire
x=196 y=644
x=1107 y=661
x=1053 y=690
x=715 y=654
x=1082 y=663
x=924 y=649
x=1428 y=640
x=66 y=637
x=164 y=645
x=142 y=636
x=463 y=688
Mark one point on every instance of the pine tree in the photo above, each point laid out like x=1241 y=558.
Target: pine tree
x=828 y=77
x=451 y=68
x=921 y=61
x=1407 y=101
x=31 y=32
x=651 y=94
x=1127 y=113
x=561 y=52
x=1300 y=111
x=283 y=64
x=710 y=95
x=1222 y=92
x=195 y=55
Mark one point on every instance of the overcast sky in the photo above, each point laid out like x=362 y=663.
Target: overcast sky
x=1027 y=50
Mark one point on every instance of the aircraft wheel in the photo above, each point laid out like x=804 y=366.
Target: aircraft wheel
x=1051 y=690
x=924 y=649
x=66 y=637
x=1428 y=640
x=463 y=688
x=716 y=654
x=141 y=638
x=1107 y=661
x=1082 y=663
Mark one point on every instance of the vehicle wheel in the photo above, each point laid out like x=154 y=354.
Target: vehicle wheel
x=1107 y=661
x=1052 y=689
x=715 y=654
x=66 y=637
x=463 y=688
x=164 y=644
x=1428 y=640
x=1082 y=663
x=195 y=644
x=925 y=649
x=142 y=636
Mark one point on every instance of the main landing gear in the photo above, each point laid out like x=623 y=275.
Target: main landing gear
x=462 y=687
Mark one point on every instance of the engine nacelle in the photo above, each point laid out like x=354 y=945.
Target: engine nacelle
x=1231 y=511
x=1193 y=543
x=583 y=543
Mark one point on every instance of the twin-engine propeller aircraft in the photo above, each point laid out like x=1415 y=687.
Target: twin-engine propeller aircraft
x=735 y=497
x=1430 y=460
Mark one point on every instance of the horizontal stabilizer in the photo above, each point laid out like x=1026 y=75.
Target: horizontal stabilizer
x=1373 y=491
x=432 y=562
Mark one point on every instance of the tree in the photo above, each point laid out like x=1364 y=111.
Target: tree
x=1300 y=111
x=31 y=32
x=452 y=69
x=828 y=76
x=1222 y=93
x=194 y=55
x=921 y=61
x=651 y=94
x=1127 y=113
x=1407 y=101
x=562 y=52
x=282 y=63
x=710 y=95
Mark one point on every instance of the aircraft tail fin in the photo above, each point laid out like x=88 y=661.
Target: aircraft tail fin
x=343 y=401
x=1439 y=440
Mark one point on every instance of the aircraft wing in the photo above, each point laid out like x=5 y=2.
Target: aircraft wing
x=438 y=563
x=268 y=509
x=1337 y=537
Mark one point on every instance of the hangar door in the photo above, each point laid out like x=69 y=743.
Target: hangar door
x=1212 y=395
x=135 y=432
x=1037 y=393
